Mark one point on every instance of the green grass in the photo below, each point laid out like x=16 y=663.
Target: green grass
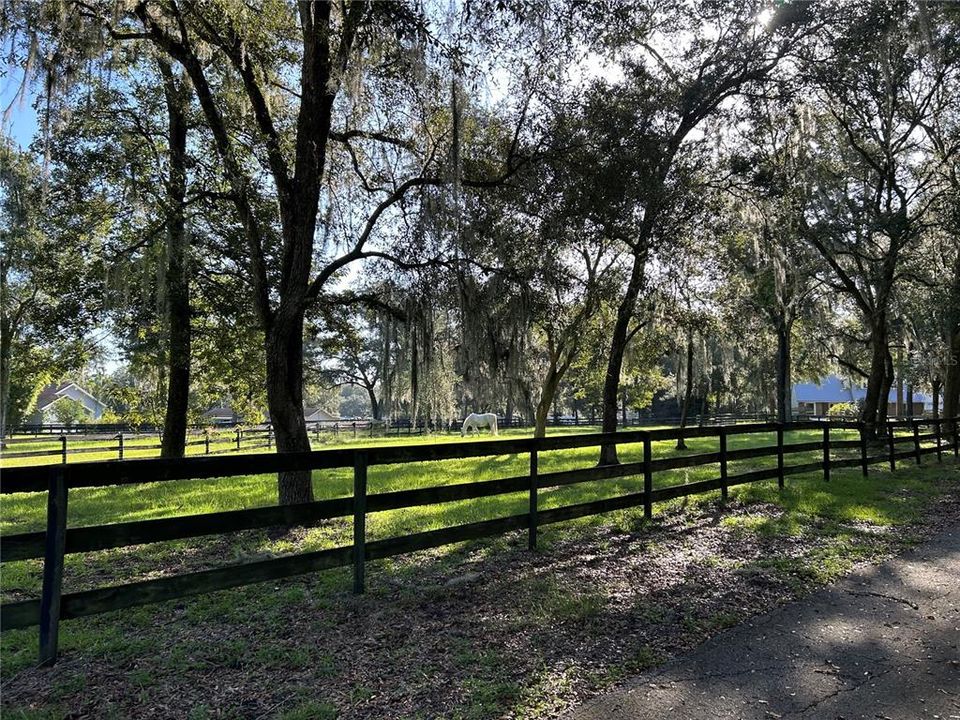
x=828 y=513
x=846 y=499
x=221 y=442
x=311 y=710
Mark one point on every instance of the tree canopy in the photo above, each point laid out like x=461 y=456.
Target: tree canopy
x=675 y=207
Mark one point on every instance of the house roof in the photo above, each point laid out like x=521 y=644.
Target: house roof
x=860 y=393
x=829 y=389
x=833 y=389
x=55 y=391
x=218 y=412
x=318 y=414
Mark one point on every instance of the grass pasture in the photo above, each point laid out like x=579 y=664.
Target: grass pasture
x=134 y=446
x=320 y=645
x=222 y=440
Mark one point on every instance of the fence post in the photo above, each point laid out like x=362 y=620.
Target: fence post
x=937 y=430
x=317 y=431
x=206 y=441
x=647 y=477
x=863 y=453
x=780 y=455
x=723 y=464
x=238 y=439
x=53 y=565
x=359 y=520
x=120 y=446
x=891 y=442
x=63 y=448
x=534 y=485
x=916 y=440
x=826 y=451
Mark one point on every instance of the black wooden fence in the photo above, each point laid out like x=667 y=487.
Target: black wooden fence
x=210 y=441
x=58 y=539
x=397 y=425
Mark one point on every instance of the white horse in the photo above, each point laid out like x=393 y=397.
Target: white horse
x=475 y=421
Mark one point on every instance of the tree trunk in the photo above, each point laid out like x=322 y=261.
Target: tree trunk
x=177 y=278
x=936 y=385
x=414 y=379
x=883 y=409
x=547 y=395
x=529 y=409
x=386 y=377
x=688 y=393
x=899 y=405
x=6 y=344
x=284 y=349
x=784 y=373
x=876 y=380
x=618 y=347
x=374 y=405
x=951 y=385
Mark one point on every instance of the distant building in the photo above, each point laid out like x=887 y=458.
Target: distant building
x=225 y=415
x=319 y=415
x=221 y=415
x=818 y=398
x=46 y=409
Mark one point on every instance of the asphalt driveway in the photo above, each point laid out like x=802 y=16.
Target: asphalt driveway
x=882 y=643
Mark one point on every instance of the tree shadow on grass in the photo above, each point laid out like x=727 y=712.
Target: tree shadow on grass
x=476 y=630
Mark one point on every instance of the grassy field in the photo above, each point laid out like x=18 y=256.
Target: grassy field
x=92 y=506
x=807 y=505
x=134 y=446
x=221 y=441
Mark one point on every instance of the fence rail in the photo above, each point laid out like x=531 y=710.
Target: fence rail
x=217 y=440
x=57 y=480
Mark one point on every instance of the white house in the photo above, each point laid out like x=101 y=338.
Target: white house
x=46 y=409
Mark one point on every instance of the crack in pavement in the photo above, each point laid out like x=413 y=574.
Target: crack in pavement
x=722 y=674
x=839 y=691
x=862 y=593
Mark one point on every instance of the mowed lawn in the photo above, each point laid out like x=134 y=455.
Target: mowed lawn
x=93 y=506
x=848 y=501
x=82 y=448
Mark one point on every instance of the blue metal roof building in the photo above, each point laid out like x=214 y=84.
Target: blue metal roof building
x=817 y=398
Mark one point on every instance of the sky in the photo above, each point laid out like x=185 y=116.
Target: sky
x=22 y=123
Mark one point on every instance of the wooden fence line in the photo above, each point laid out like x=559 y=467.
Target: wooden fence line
x=238 y=439
x=396 y=425
x=59 y=540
